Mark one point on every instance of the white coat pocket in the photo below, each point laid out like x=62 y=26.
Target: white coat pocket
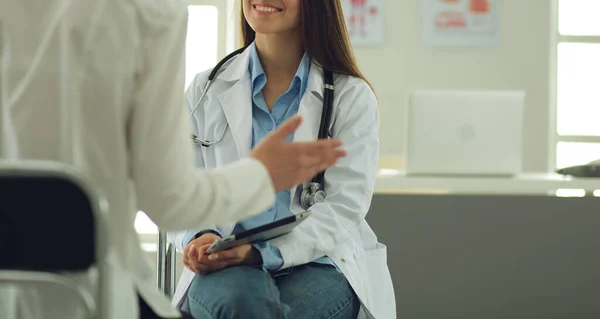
x=216 y=128
x=380 y=292
x=224 y=150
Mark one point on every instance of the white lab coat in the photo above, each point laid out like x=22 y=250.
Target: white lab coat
x=337 y=227
x=109 y=101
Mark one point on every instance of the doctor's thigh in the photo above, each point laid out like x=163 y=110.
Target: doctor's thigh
x=313 y=291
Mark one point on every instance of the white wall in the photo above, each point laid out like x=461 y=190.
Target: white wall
x=522 y=61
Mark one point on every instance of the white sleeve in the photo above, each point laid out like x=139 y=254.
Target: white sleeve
x=169 y=189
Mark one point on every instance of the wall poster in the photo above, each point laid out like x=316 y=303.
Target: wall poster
x=460 y=23
x=364 y=19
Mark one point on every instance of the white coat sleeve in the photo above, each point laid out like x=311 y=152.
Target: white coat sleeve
x=349 y=184
x=169 y=189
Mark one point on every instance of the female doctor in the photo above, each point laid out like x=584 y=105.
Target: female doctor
x=330 y=266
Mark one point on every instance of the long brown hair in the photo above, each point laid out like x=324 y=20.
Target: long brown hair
x=326 y=39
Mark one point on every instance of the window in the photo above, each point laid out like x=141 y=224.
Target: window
x=577 y=82
x=206 y=42
x=147 y=231
x=201 y=41
x=573 y=153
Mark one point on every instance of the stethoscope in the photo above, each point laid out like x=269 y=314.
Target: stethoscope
x=314 y=192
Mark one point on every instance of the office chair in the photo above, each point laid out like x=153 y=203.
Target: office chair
x=166 y=262
x=51 y=204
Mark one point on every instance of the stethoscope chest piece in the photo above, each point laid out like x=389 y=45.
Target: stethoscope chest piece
x=311 y=195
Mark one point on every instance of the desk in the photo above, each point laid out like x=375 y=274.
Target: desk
x=391 y=181
x=492 y=257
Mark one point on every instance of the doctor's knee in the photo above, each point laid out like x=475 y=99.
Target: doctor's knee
x=235 y=292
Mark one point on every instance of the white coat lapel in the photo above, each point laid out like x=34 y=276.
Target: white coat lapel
x=310 y=109
x=237 y=106
x=237 y=102
x=311 y=106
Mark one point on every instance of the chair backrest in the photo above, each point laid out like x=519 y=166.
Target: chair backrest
x=166 y=262
x=51 y=221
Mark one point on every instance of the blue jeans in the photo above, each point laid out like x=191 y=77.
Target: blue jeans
x=307 y=291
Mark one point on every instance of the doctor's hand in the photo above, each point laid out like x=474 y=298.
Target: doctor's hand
x=195 y=258
x=290 y=164
x=196 y=249
x=243 y=255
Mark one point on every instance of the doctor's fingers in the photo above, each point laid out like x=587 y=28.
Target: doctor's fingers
x=204 y=265
x=190 y=263
x=198 y=268
x=206 y=238
x=186 y=250
x=193 y=250
x=199 y=253
x=189 y=255
x=190 y=251
x=197 y=261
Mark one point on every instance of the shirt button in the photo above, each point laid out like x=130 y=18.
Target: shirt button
x=343 y=260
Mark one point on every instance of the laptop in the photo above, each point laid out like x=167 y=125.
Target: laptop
x=465 y=133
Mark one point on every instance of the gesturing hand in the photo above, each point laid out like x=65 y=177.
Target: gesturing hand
x=290 y=164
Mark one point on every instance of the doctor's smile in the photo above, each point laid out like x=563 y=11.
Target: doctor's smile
x=266 y=9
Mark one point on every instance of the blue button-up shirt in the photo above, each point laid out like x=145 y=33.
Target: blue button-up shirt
x=263 y=122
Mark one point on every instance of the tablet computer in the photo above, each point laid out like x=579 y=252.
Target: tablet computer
x=262 y=233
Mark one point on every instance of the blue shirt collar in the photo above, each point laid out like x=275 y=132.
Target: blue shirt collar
x=254 y=67
x=256 y=70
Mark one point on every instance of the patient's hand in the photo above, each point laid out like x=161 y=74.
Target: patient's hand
x=195 y=257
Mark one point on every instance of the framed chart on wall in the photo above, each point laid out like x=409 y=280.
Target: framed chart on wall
x=460 y=23
x=364 y=20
